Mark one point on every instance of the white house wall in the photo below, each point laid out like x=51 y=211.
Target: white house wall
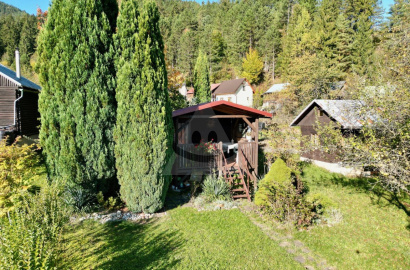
x=241 y=97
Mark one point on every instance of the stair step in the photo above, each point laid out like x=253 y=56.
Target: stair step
x=240 y=196
x=238 y=189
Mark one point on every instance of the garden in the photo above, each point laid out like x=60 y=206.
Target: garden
x=326 y=221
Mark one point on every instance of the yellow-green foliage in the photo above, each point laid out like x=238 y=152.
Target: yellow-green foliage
x=321 y=203
x=20 y=168
x=278 y=175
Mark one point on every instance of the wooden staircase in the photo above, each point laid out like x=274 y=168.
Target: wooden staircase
x=234 y=175
x=235 y=178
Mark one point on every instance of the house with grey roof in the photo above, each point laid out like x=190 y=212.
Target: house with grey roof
x=238 y=91
x=348 y=115
x=270 y=97
x=18 y=102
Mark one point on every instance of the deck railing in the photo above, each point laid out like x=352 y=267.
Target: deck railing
x=248 y=159
x=189 y=157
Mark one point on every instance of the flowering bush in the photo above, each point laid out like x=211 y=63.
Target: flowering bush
x=206 y=147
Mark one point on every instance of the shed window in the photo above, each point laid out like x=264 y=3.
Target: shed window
x=196 y=137
x=212 y=136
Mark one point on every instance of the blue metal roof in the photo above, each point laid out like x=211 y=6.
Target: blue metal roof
x=277 y=88
x=23 y=82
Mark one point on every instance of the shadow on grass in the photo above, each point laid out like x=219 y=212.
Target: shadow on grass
x=379 y=195
x=121 y=245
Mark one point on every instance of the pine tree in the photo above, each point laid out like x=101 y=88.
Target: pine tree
x=299 y=39
x=28 y=37
x=201 y=79
x=344 y=41
x=363 y=15
x=144 y=130
x=218 y=48
x=77 y=104
x=252 y=66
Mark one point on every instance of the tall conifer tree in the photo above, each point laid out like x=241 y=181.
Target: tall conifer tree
x=77 y=103
x=144 y=129
x=201 y=79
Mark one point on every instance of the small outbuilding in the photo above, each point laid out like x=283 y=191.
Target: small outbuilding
x=221 y=136
x=18 y=103
x=348 y=115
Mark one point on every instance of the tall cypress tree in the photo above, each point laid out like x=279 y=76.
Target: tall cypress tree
x=77 y=102
x=144 y=129
x=201 y=79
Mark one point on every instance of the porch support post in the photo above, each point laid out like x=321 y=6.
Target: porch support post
x=249 y=124
x=256 y=150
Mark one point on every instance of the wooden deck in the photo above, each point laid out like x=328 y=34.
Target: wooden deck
x=238 y=169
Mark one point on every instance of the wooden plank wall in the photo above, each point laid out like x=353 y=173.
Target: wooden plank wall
x=7 y=97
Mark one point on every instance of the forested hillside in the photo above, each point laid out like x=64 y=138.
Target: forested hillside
x=308 y=43
x=18 y=29
x=6 y=9
x=337 y=35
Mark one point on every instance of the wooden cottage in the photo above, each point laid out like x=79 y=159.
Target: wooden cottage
x=347 y=115
x=18 y=103
x=220 y=136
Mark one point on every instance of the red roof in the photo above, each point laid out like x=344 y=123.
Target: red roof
x=224 y=107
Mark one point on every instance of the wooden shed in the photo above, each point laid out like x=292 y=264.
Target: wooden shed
x=223 y=126
x=18 y=103
x=347 y=115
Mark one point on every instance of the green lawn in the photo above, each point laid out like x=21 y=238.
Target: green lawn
x=374 y=234
x=183 y=239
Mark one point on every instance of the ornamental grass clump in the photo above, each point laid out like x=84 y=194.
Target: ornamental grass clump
x=215 y=188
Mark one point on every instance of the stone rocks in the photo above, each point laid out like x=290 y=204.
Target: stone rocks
x=117 y=216
x=284 y=244
x=300 y=259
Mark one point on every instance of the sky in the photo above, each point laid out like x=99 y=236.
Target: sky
x=30 y=6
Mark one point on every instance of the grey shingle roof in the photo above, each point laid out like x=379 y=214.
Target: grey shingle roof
x=350 y=114
x=23 y=82
x=276 y=88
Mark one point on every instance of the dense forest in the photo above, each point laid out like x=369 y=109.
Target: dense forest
x=18 y=30
x=309 y=43
x=340 y=34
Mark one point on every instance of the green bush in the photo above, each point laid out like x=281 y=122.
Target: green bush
x=320 y=203
x=215 y=188
x=20 y=170
x=30 y=236
x=278 y=177
x=279 y=197
x=112 y=203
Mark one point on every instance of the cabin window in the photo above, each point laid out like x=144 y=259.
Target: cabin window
x=196 y=137
x=315 y=140
x=229 y=99
x=321 y=113
x=212 y=136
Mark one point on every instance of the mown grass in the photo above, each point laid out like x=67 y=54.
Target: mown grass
x=183 y=239
x=375 y=231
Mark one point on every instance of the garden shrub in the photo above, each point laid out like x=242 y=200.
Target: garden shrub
x=31 y=234
x=20 y=170
x=320 y=203
x=278 y=176
x=279 y=197
x=215 y=188
x=112 y=203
